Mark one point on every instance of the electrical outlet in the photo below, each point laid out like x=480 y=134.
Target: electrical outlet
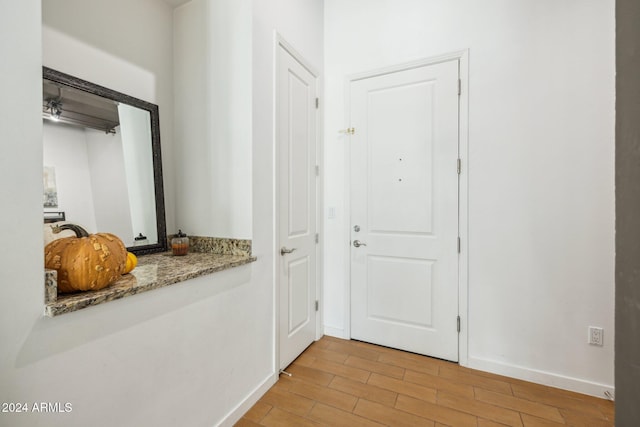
x=596 y=336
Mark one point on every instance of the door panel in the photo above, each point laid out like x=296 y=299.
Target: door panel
x=390 y=276
x=296 y=139
x=298 y=158
x=397 y=169
x=299 y=314
x=404 y=198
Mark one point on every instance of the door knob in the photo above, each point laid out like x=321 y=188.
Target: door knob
x=358 y=243
x=284 y=250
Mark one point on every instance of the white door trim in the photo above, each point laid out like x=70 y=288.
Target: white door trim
x=463 y=192
x=279 y=41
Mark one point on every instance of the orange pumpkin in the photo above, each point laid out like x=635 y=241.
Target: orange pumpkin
x=86 y=262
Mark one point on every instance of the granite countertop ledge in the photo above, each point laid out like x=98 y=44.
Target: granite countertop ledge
x=152 y=272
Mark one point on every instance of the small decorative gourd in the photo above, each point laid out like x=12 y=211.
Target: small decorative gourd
x=86 y=262
x=132 y=261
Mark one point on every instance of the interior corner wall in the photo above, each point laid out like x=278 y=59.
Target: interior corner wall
x=212 y=45
x=627 y=208
x=217 y=45
x=540 y=171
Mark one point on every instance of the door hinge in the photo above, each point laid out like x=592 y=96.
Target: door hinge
x=459 y=166
x=317 y=238
x=317 y=305
x=317 y=102
x=317 y=170
x=459 y=87
x=459 y=244
x=458 y=323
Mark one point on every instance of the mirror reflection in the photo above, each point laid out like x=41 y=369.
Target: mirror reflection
x=102 y=161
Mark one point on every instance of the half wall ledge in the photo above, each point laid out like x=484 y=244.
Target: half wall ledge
x=207 y=255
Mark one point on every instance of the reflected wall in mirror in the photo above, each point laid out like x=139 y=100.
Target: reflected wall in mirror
x=104 y=149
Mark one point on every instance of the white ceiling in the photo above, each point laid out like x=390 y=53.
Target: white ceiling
x=176 y=3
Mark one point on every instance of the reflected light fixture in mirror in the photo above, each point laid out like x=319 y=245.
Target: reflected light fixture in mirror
x=103 y=148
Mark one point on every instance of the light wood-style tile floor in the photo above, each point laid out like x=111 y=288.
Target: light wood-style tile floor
x=349 y=383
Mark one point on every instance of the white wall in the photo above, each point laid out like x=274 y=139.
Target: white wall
x=106 y=164
x=65 y=148
x=540 y=170
x=213 y=117
x=20 y=189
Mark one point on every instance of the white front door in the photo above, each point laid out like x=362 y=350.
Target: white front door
x=296 y=160
x=404 y=209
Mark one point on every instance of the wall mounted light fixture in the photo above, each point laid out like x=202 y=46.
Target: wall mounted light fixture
x=54 y=107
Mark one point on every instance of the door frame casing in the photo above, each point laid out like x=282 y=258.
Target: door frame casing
x=280 y=42
x=462 y=57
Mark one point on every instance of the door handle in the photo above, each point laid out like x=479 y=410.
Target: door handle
x=284 y=250
x=358 y=243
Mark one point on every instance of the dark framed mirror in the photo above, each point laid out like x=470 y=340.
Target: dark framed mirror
x=102 y=161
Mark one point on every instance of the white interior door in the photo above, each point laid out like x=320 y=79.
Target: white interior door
x=296 y=160
x=404 y=209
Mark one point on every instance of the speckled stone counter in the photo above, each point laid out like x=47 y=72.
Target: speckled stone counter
x=219 y=245
x=153 y=271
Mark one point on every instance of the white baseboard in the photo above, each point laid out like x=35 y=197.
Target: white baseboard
x=236 y=413
x=334 y=332
x=541 y=377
